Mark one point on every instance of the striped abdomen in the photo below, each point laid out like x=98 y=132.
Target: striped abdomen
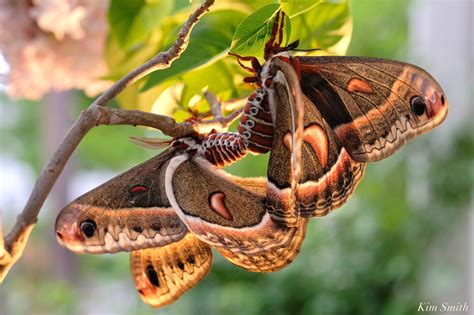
x=224 y=148
x=256 y=124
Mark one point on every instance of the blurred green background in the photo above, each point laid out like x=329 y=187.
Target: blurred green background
x=405 y=237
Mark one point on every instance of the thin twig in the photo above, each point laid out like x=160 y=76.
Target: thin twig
x=233 y=105
x=222 y=124
x=215 y=103
x=16 y=240
x=219 y=122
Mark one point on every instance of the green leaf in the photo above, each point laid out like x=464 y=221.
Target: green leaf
x=295 y=7
x=132 y=22
x=133 y=98
x=121 y=61
x=222 y=78
x=208 y=43
x=217 y=78
x=249 y=5
x=255 y=30
x=327 y=26
x=181 y=5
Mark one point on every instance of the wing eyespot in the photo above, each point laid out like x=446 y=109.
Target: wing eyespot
x=88 y=228
x=442 y=99
x=418 y=106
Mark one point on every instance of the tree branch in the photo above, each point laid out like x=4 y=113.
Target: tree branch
x=215 y=103
x=219 y=122
x=15 y=242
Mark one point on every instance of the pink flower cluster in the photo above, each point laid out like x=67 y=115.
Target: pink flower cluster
x=53 y=45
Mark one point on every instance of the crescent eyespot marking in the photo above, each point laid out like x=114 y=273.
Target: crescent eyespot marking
x=287 y=141
x=358 y=85
x=315 y=136
x=216 y=202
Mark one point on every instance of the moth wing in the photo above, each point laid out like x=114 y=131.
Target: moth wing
x=162 y=274
x=126 y=213
x=373 y=105
x=284 y=166
x=229 y=213
x=329 y=174
x=326 y=174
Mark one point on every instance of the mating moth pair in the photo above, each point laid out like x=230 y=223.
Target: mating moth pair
x=321 y=118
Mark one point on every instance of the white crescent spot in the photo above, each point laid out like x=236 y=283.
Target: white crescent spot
x=315 y=136
x=287 y=141
x=216 y=202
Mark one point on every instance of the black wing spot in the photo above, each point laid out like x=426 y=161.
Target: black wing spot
x=138 y=229
x=180 y=265
x=156 y=227
x=88 y=227
x=418 y=106
x=152 y=276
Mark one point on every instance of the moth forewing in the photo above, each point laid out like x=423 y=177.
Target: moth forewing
x=373 y=105
x=128 y=212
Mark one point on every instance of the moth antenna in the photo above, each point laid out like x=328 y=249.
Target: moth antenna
x=293 y=45
x=150 y=143
x=280 y=30
x=270 y=45
x=275 y=28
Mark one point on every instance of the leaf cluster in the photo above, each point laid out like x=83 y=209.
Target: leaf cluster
x=140 y=29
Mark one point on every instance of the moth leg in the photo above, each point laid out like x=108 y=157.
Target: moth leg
x=256 y=67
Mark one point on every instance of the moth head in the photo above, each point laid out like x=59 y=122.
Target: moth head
x=429 y=106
